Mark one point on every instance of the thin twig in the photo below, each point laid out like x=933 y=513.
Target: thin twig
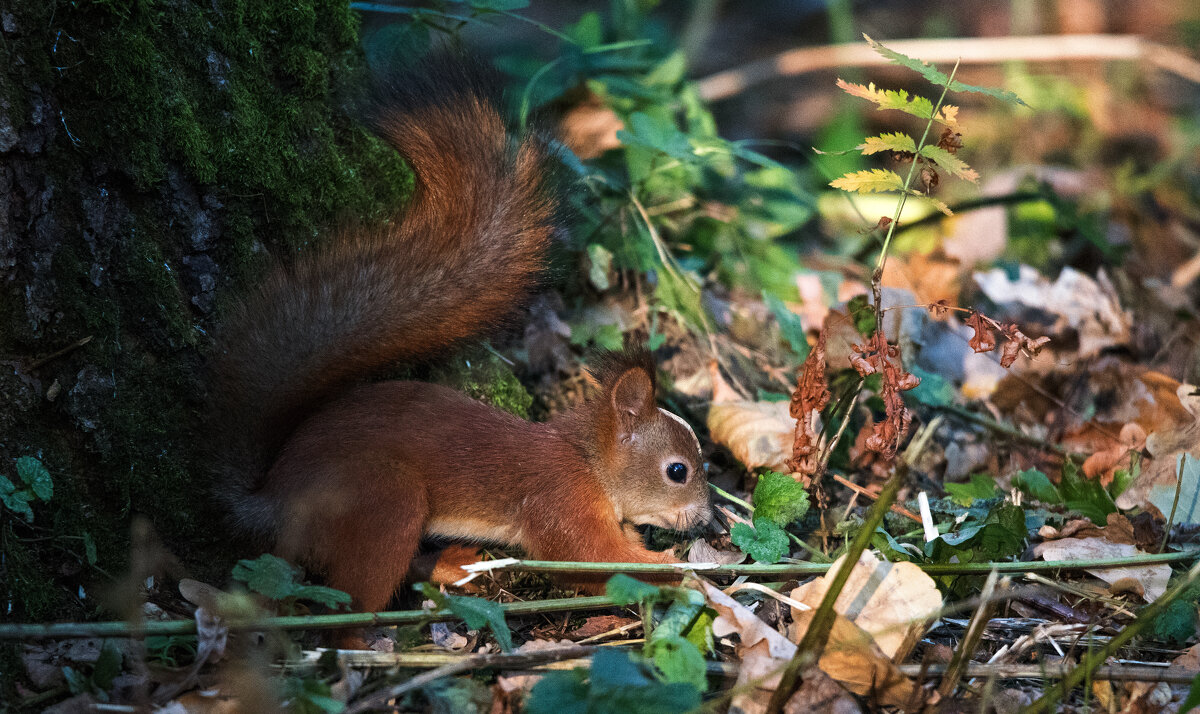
x=810 y=647
x=1093 y=659
x=379 y=700
x=896 y=507
x=966 y=646
x=364 y=659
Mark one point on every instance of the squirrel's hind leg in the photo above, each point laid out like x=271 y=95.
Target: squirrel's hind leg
x=361 y=531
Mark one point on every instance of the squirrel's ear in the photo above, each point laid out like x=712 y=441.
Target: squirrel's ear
x=632 y=398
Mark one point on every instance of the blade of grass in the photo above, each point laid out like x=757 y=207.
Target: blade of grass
x=1093 y=660
x=970 y=640
x=808 y=652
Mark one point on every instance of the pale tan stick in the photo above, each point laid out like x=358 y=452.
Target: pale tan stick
x=971 y=50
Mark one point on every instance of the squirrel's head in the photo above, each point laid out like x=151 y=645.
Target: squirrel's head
x=652 y=467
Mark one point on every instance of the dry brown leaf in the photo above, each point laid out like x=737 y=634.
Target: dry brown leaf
x=1165 y=444
x=702 y=552
x=590 y=128
x=1152 y=579
x=764 y=653
x=1088 y=306
x=850 y=657
x=1117 y=530
x=930 y=278
x=892 y=602
x=758 y=433
x=820 y=694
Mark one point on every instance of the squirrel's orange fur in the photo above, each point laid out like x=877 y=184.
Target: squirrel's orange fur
x=346 y=475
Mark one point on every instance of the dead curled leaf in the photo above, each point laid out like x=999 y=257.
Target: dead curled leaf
x=810 y=397
x=878 y=356
x=1151 y=580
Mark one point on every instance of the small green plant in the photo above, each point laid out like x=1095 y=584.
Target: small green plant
x=779 y=500
x=99 y=680
x=281 y=581
x=37 y=486
x=1076 y=492
x=668 y=675
x=476 y=612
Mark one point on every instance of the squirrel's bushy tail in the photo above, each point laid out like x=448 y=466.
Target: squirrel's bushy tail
x=464 y=252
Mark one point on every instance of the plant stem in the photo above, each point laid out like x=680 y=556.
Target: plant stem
x=912 y=168
x=1174 y=505
x=1094 y=659
x=808 y=652
x=16 y=631
x=300 y=622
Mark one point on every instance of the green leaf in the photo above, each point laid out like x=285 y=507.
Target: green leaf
x=14 y=500
x=700 y=633
x=678 y=660
x=268 y=575
x=766 y=542
x=616 y=684
x=1001 y=534
x=1036 y=485
x=980 y=487
x=888 y=142
x=779 y=498
x=1085 y=495
x=108 y=665
x=599 y=265
x=862 y=312
x=934 y=389
x=479 y=613
x=790 y=325
x=89 y=548
x=679 y=295
x=588 y=32
x=658 y=134
x=35 y=475
x=310 y=696
x=1122 y=479
x=1163 y=495
x=625 y=590
x=560 y=693
x=329 y=597
x=1175 y=624
x=498 y=5
x=897 y=99
x=932 y=74
x=949 y=162
x=1193 y=698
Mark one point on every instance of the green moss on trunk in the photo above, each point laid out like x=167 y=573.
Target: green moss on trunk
x=159 y=151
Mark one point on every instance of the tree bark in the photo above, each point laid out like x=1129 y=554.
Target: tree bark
x=153 y=155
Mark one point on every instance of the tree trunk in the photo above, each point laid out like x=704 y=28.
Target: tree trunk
x=153 y=154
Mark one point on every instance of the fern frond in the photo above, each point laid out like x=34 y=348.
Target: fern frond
x=932 y=74
x=870 y=181
x=899 y=100
x=950 y=162
x=898 y=141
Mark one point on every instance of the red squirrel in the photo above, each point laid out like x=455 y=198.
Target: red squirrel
x=346 y=475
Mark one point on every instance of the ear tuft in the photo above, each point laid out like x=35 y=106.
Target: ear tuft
x=609 y=366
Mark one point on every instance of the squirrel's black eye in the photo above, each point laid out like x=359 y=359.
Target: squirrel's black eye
x=677 y=472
